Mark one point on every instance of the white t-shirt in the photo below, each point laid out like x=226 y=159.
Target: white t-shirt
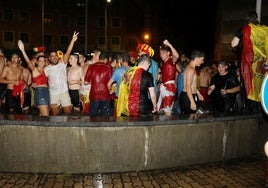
x=57 y=78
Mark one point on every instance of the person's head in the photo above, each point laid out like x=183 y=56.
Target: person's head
x=133 y=57
x=15 y=58
x=82 y=59
x=144 y=61
x=53 y=57
x=41 y=61
x=103 y=57
x=124 y=59
x=252 y=17
x=165 y=52
x=198 y=56
x=95 y=56
x=222 y=67
x=74 y=59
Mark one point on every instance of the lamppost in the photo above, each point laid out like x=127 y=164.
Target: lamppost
x=43 y=25
x=86 y=20
x=106 y=24
x=85 y=5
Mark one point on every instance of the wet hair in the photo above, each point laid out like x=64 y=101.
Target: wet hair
x=38 y=57
x=103 y=55
x=165 y=48
x=125 y=56
x=252 y=17
x=197 y=53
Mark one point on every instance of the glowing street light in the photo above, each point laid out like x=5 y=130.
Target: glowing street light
x=146 y=37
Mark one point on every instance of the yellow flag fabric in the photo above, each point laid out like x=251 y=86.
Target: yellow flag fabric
x=259 y=40
x=124 y=91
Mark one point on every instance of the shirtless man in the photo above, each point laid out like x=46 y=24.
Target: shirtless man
x=27 y=77
x=12 y=75
x=205 y=78
x=75 y=79
x=189 y=94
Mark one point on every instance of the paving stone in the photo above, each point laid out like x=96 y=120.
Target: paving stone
x=235 y=174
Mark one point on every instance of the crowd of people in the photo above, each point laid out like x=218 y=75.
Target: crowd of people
x=121 y=84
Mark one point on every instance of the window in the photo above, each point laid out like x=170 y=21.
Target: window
x=24 y=17
x=101 y=40
x=48 y=19
x=80 y=21
x=64 y=20
x=24 y=37
x=116 y=41
x=8 y=36
x=8 y=14
x=116 y=22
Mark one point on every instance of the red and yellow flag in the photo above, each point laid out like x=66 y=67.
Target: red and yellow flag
x=254 y=58
x=129 y=93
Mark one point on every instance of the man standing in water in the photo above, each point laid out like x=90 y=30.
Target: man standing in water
x=190 y=94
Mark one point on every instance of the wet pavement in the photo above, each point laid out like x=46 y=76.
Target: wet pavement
x=243 y=173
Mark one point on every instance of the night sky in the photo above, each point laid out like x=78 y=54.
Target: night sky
x=192 y=24
x=188 y=25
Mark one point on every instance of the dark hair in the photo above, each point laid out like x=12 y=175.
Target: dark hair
x=125 y=56
x=77 y=57
x=166 y=48
x=197 y=53
x=103 y=55
x=252 y=17
x=38 y=57
x=2 y=49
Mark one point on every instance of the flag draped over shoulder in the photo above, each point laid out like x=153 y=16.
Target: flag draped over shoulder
x=254 y=54
x=129 y=93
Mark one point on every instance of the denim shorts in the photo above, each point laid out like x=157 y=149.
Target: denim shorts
x=41 y=96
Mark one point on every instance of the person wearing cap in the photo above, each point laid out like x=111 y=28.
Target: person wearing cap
x=153 y=69
x=168 y=90
x=222 y=90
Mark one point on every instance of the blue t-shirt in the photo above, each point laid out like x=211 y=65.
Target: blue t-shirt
x=117 y=77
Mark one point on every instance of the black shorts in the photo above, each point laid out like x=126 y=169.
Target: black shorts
x=185 y=103
x=75 y=98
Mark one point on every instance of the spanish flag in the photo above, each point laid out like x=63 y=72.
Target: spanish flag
x=129 y=93
x=254 y=59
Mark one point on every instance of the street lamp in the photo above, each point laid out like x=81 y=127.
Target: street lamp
x=86 y=20
x=106 y=24
x=43 y=24
x=146 y=37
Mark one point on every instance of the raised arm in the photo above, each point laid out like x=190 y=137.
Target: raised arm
x=175 y=54
x=28 y=61
x=70 y=47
